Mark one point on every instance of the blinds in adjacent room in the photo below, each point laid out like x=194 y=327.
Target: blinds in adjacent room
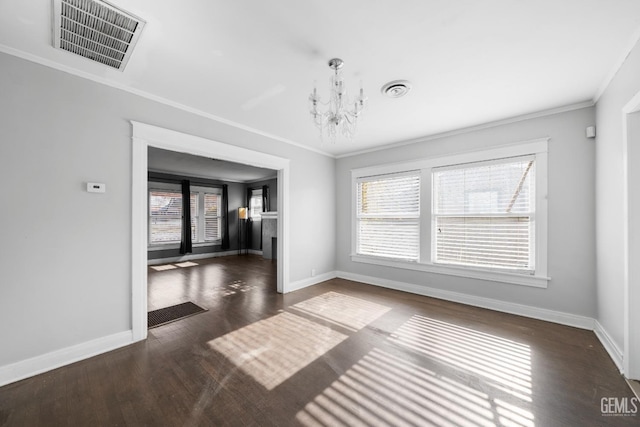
x=165 y=216
x=194 y=216
x=212 y=217
x=484 y=214
x=388 y=215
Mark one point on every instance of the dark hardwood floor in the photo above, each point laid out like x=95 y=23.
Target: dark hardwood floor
x=338 y=353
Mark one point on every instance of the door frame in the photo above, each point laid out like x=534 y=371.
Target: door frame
x=145 y=136
x=631 y=236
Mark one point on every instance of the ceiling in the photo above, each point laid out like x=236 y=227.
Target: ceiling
x=253 y=63
x=172 y=162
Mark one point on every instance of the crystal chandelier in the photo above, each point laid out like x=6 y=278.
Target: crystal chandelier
x=341 y=115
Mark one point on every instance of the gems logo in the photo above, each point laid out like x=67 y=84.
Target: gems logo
x=619 y=406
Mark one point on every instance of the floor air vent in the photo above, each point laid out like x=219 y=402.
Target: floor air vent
x=95 y=30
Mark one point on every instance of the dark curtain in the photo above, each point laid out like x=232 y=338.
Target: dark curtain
x=249 y=220
x=185 y=244
x=266 y=201
x=225 y=217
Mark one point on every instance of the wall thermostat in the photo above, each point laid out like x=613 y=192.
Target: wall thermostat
x=96 y=187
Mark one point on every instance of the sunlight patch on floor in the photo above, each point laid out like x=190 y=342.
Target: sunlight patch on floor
x=342 y=310
x=504 y=364
x=383 y=389
x=187 y=264
x=237 y=286
x=163 y=267
x=274 y=349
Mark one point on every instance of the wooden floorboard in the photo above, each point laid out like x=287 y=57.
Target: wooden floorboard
x=338 y=353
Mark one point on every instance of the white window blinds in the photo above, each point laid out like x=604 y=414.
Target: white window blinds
x=194 y=216
x=484 y=214
x=165 y=216
x=388 y=215
x=212 y=217
x=255 y=205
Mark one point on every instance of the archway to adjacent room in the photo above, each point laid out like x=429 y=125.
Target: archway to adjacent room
x=145 y=136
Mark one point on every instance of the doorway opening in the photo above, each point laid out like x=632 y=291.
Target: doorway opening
x=197 y=261
x=148 y=136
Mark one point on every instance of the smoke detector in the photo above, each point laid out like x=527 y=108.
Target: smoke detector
x=396 y=88
x=95 y=30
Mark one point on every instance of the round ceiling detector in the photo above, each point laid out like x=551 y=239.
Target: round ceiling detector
x=396 y=88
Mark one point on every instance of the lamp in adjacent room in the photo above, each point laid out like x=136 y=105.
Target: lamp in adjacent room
x=243 y=215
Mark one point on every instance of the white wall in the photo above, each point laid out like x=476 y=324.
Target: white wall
x=65 y=269
x=610 y=192
x=571 y=247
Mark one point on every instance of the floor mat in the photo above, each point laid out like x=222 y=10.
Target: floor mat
x=173 y=313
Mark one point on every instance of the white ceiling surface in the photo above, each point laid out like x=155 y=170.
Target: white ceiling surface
x=202 y=167
x=254 y=62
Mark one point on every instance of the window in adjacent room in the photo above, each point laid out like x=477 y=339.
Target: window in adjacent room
x=255 y=205
x=165 y=214
x=212 y=217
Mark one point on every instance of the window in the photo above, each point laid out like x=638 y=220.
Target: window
x=483 y=214
x=388 y=216
x=194 y=216
x=255 y=205
x=480 y=214
x=165 y=214
x=212 y=217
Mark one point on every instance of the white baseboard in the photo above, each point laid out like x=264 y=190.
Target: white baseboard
x=46 y=362
x=492 y=304
x=300 y=284
x=191 y=257
x=610 y=345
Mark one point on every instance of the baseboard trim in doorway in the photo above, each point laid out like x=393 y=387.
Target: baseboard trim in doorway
x=192 y=257
x=609 y=345
x=304 y=283
x=635 y=387
x=65 y=356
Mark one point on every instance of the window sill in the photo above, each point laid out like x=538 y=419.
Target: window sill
x=493 y=276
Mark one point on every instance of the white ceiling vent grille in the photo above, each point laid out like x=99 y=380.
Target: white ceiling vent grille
x=95 y=30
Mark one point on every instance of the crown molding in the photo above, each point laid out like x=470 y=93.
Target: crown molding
x=116 y=85
x=475 y=128
x=617 y=66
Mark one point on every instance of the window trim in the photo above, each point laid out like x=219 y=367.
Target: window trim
x=536 y=147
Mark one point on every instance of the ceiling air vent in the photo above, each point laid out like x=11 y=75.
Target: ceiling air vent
x=95 y=30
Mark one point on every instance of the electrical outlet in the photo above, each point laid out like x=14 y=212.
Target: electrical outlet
x=313 y=272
